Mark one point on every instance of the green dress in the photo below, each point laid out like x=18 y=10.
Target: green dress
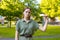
x=26 y=28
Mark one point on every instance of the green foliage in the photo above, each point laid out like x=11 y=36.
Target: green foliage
x=14 y=8
x=34 y=8
x=11 y=8
x=51 y=7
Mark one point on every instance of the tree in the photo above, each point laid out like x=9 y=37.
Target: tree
x=34 y=8
x=14 y=8
x=11 y=9
x=51 y=8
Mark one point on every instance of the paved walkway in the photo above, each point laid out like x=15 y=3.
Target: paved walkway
x=56 y=36
x=6 y=38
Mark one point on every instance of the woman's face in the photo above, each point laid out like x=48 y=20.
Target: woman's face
x=27 y=13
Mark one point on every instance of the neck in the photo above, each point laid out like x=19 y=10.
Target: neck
x=26 y=18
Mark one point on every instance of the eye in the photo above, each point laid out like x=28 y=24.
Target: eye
x=29 y=12
x=26 y=11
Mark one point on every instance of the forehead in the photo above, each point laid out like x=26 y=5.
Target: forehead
x=27 y=9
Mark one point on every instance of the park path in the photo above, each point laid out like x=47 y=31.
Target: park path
x=55 y=36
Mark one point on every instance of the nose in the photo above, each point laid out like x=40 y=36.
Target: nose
x=27 y=13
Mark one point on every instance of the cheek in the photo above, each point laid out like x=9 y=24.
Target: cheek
x=25 y=14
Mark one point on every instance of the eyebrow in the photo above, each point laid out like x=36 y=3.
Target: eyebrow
x=27 y=11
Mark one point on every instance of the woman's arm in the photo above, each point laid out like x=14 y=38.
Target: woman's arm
x=43 y=28
x=16 y=35
x=17 y=30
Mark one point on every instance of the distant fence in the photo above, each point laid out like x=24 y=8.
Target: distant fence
x=54 y=23
x=5 y=22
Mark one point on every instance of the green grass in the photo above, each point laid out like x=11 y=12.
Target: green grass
x=10 y=32
x=46 y=39
x=51 y=30
x=7 y=32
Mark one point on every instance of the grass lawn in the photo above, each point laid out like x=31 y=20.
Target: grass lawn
x=51 y=30
x=46 y=39
x=7 y=32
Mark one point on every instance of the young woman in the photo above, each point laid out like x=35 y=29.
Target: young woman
x=26 y=27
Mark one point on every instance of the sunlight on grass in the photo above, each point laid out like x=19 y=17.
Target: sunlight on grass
x=7 y=32
x=50 y=31
x=10 y=32
x=46 y=39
